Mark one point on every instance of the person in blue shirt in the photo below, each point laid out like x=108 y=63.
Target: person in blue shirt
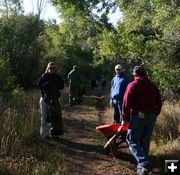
x=118 y=87
x=103 y=82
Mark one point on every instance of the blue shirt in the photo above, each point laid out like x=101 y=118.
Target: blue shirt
x=118 y=87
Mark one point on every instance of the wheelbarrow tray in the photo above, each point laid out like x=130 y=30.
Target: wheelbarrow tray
x=110 y=129
x=110 y=132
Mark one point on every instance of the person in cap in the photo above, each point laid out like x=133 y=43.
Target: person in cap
x=118 y=87
x=103 y=82
x=50 y=84
x=74 y=85
x=141 y=106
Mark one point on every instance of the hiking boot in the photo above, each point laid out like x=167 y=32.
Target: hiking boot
x=143 y=171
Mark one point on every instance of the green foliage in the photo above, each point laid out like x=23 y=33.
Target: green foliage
x=84 y=5
x=11 y=8
x=19 y=49
x=7 y=80
x=166 y=77
x=151 y=34
x=148 y=35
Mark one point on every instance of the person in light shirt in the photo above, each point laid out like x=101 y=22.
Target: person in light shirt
x=118 y=87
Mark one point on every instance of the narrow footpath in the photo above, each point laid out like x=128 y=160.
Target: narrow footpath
x=82 y=145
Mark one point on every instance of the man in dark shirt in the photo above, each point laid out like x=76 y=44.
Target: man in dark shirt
x=74 y=85
x=141 y=106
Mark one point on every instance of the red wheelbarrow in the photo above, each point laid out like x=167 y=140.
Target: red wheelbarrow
x=116 y=136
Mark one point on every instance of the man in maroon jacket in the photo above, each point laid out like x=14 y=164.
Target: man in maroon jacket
x=141 y=106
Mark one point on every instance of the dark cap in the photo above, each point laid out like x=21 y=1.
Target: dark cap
x=139 y=71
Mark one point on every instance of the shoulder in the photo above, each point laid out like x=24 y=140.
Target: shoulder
x=113 y=79
x=125 y=78
x=132 y=84
x=44 y=75
x=57 y=76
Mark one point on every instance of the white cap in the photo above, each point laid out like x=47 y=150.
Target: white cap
x=118 y=66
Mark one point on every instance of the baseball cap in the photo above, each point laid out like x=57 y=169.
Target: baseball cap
x=139 y=71
x=118 y=66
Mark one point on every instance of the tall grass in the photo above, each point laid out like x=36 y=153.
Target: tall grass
x=168 y=122
x=21 y=149
x=166 y=135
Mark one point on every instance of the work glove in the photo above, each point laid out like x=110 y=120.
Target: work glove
x=123 y=123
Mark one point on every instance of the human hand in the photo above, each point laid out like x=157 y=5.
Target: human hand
x=110 y=102
x=123 y=123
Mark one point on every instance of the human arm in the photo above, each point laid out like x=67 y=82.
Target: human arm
x=120 y=89
x=68 y=78
x=44 y=82
x=127 y=104
x=158 y=103
x=59 y=82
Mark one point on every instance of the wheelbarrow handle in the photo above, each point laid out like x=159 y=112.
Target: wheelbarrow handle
x=114 y=136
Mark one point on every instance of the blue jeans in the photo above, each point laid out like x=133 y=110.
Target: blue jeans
x=117 y=111
x=138 y=138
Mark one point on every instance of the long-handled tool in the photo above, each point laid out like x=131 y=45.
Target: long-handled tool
x=114 y=136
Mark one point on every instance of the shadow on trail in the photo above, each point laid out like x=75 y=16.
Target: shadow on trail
x=81 y=129
x=70 y=147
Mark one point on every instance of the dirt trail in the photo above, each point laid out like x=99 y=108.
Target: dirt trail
x=82 y=154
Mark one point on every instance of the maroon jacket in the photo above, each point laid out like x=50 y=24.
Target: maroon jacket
x=141 y=95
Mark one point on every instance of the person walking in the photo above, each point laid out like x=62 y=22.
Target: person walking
x=141 y=106
x=103 y=82
x=50 y=83
x=118 y=87
x=74 y=85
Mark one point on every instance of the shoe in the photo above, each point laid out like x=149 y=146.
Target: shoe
x=46 y=137
x=143 y=171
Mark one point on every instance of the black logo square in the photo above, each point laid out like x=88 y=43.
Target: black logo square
x=172 y=167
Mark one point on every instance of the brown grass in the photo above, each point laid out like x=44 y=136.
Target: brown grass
x=23 y=152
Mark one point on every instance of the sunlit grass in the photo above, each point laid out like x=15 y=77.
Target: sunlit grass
x=21 y=149
x=23 y=152
x=166 y=136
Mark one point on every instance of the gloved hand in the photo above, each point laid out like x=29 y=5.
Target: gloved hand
x=113 y=102
x=123 y=123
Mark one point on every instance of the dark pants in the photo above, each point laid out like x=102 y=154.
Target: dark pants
x=117 y=112
x=55 y=117
x=73 y=96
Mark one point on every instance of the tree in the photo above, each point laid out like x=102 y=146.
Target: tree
x=19 y=49
x=11 y=8
x=152 y=34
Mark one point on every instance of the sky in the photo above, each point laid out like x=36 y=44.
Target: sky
x=49 y=11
